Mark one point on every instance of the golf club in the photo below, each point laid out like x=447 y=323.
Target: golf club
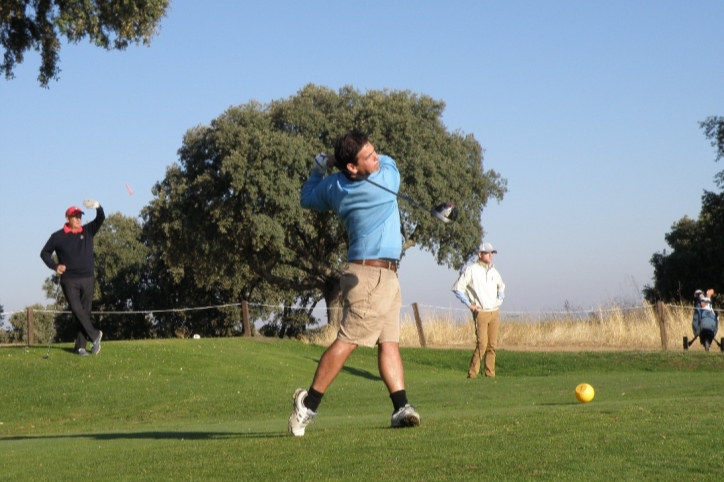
x=446 y=212
x=52 y=320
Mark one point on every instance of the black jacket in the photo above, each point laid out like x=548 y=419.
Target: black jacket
x=74 y=250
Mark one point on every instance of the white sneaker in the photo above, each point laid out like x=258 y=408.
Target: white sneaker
x=405 y=417
x=301 y=416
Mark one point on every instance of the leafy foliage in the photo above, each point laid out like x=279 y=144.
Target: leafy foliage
x=697 y=257
x=225 y=224
x=39 y=24
x=226 y=219
x=4 y=330
x=124 y=281
x=714 y=131
x=43 y=328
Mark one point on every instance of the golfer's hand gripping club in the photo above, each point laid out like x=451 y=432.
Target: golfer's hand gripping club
x=320 y=163
x=91 y=204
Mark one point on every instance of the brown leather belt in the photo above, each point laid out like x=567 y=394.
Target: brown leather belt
x=377 y=263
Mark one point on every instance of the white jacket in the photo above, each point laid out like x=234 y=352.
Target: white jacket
x=481 y=284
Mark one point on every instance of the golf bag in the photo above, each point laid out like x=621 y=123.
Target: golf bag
x=705 y=325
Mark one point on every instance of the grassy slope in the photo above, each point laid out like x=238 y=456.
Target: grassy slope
x=217 y=409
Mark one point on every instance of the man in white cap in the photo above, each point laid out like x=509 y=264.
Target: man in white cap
x=481 y=289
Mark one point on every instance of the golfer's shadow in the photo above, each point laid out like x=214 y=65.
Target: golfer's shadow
x=355 y=372
x=361 y=373
x=155 y=436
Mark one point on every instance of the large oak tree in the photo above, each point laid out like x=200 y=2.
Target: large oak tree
x=227 y=219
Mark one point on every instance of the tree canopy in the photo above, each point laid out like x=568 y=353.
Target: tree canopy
x=226 y=218
x=124 y=280
x=40 y=24
x=225 y=224
x=714 y=131
x=42 y=325
x=696 y=259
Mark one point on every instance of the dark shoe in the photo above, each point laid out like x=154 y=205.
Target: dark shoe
x=81 y=352
x=96 y=348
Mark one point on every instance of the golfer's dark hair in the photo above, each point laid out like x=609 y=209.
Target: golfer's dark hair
x=347 y=146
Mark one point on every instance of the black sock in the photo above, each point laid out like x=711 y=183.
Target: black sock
x=399 y=399
x=313 y=399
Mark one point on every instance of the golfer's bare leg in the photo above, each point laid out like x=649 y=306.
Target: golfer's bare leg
x=331 y=364
x=389 y=362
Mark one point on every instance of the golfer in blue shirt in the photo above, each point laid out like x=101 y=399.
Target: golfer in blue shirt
x=370 y=288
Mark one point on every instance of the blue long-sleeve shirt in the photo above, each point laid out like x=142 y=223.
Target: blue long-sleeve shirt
x=369 y=214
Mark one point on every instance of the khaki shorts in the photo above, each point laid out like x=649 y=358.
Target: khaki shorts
x=371 y=304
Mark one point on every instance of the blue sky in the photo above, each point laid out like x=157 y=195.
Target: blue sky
x=590 y=110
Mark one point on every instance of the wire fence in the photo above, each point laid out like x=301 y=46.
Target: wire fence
x=322 y=309
x=643 y=325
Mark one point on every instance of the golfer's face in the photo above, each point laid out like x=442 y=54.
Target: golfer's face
x=74 y=221
x=486 y=258
x=368 y=161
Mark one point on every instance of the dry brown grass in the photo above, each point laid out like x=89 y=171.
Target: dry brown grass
x=607 y=328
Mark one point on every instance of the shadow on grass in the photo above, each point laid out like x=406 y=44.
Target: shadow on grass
x=70 y=351
x=152 y=436
x=356 y=372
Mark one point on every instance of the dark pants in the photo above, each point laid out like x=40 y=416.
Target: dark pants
x=79 y=294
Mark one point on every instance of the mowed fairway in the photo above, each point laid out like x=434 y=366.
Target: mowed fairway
x=217 y=409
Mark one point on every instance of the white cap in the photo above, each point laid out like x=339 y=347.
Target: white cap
x=486 y=248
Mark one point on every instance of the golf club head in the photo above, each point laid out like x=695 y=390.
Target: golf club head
x=446 y=212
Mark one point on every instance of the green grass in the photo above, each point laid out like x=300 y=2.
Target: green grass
x=217 y=409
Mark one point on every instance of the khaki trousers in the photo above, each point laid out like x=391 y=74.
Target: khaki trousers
x=372 y=301
x=486 y=336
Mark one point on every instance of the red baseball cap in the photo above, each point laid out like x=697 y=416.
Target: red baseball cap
x=73 y=210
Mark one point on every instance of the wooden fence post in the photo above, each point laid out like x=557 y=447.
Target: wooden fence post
x=30 y=326
x=245 y=318
x=661 y=315
x=418 y=322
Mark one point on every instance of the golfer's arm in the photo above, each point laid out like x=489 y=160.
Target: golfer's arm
x=95 y=225
x=310 y=198
x=46 y=254
x=462 y=297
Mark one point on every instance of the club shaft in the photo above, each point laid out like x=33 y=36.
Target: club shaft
x=401 y=196
x=52 y=321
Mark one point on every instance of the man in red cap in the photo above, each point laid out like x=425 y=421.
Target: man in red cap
x=73 y=245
